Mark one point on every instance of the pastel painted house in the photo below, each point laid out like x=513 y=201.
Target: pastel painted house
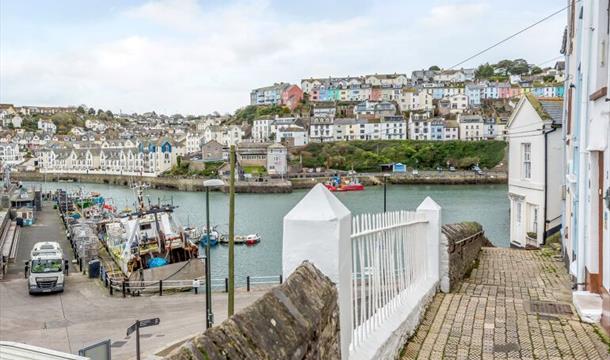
x=535 y=162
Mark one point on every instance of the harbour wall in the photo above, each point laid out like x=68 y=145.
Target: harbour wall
x=302 y=181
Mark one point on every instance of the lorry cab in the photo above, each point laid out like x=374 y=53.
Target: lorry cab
x=45 y=246
x=45 y=269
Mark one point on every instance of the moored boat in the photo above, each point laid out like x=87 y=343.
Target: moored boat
x=350 y=183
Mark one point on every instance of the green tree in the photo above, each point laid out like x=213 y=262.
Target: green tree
x=484 y=71
x=519 y=67
x=434 y=68
x=536 y=70
x=91 y=111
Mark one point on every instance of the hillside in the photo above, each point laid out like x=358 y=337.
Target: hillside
x=369 y=155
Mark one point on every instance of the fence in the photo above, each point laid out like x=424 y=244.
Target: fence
x=385 y=266
x=138 y=287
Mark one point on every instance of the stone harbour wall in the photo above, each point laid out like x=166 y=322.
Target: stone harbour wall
x=296 y=320
x=460 y=247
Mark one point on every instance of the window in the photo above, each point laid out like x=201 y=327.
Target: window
x=535 y=219
x=526 y=149
x=518 y=212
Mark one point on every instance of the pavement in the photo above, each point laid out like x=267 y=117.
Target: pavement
x=515 y=305
x=85 y=314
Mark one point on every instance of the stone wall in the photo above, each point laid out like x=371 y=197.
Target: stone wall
x=460 y=247
x=296 y=320
x=162 y=183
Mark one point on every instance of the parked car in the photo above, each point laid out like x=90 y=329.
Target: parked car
x=452 y=168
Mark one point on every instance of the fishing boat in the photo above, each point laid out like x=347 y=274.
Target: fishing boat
x=147 y=238
x=350 y=183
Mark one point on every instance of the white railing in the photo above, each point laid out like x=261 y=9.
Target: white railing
x=389 y=259
x=386 y=267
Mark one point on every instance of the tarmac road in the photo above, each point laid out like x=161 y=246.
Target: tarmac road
x=85 y=314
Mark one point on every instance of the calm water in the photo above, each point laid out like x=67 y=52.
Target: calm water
x=263 y=213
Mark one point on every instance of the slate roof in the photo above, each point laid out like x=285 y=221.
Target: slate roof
x=554 y=109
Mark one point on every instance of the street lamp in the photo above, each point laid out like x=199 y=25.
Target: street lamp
x=385 y=191
x=209 y=318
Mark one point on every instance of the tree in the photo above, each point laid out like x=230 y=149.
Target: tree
x=504 y=64
x=100 y=112
x=434 y=68
x=80 y=110
x=91 y=111
x=536 y=70
x=484 y=71
x=519 y=67
x=109 y=114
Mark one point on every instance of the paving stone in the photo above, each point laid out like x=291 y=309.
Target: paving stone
x=515 y=305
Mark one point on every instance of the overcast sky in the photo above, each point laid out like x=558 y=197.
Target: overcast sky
x=195 y=57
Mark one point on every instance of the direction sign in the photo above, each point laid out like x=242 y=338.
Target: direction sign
x=149 y=322
x=132 y=328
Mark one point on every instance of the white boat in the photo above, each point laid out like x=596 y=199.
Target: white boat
x=251 y=239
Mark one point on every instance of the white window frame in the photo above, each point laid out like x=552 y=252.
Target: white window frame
x=526 y=160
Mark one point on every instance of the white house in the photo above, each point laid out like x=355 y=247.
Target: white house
x=292 y=135
x=10 y=153
x=586 y=217
x=47 y=126
x=321 y=129
x=277 y=163
x=193 y=142
x=534 y=158
x=393 y=128
x=261 y=129
x=419 y=126
x=471 y=127
x=458 y=103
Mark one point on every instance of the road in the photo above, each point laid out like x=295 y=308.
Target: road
x=48 y=227
x=85 y=313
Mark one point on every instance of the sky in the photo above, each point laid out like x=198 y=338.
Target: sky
x=199 y=56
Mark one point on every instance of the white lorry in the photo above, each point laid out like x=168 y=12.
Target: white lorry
x=46 y=268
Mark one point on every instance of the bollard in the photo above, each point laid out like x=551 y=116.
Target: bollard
x=106 y=280
x=281 y=279
x=226 y=285
x=196 y=285
x=124 y=289
x=160 y=287
x=248 y=283
x=110 y=286
x=80 y=265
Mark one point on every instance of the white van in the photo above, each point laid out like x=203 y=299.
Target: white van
x=45 y=269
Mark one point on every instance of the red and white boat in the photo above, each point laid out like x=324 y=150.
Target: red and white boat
x=346 y=184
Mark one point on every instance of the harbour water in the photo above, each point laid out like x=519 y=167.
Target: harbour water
x=263 y=214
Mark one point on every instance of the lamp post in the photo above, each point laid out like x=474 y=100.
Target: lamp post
x=209 y=316
x=385 y=191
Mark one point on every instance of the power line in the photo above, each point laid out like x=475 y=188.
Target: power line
x=549 y=60
x=511 y=36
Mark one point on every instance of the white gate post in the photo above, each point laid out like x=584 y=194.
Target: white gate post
x=433 y=235
x=318 y=229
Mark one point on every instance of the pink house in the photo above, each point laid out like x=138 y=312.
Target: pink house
x=376 y=94
x=516 y=91
x=292 y=96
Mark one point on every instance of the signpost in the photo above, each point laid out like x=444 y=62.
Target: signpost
x=136 y=327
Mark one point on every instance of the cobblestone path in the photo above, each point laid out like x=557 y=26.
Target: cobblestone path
x=515 y=305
